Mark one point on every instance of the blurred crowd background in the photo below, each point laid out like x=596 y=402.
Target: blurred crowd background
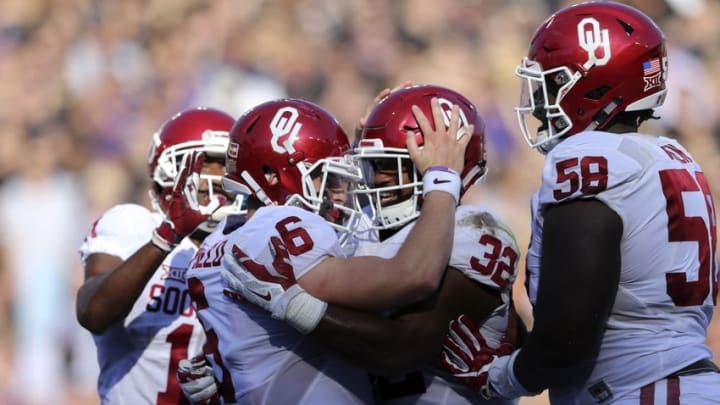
x=85 y=83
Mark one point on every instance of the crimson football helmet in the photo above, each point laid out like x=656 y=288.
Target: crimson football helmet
x=294 y=152
x=382 y=148
x=197 y=129
x=586 y=64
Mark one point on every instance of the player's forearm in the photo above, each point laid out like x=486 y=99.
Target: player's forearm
x=415 y=272
x=108 y=295
x=560 y=349
x=424 y=256
x=374 y=342
x=552 y=361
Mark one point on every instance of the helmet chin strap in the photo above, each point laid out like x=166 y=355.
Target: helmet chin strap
x=399 y=213
x=604 y=113
x=546 y=147
x=155 y=203
x=257 y=190
x=600 y=117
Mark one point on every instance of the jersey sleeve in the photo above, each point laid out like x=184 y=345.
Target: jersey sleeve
x=484 y=248
x=594 y=165
x=120 y=231
x=322 y=242
x=290 y=234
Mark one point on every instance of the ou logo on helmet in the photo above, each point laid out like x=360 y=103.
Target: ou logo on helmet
x=285 y=122
x=591 y=38
x=446 y=106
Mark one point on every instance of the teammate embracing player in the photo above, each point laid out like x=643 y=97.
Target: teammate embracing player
x=291 y=156
x=402 y=342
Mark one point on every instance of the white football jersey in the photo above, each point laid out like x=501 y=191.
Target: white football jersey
x=668 y=278
x=484 y=250
x=261 y=360
x=138 y=357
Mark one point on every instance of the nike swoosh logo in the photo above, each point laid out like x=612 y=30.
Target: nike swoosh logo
x=438 y=181
x=265 y=297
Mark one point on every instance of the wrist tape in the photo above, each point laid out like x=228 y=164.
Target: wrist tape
x=304 y=312
x=160 y=237
x=441 y=178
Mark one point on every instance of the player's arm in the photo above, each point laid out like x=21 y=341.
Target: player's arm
x=112 y=285
x=580 y=272
x=410 y=338
x=375 y=283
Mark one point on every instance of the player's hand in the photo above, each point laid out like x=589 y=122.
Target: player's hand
x=443 y=145
x=184 y=212
x=275 y=290
x=245 y=278
x=380 y=96
x=197 y=381
x=468 y=357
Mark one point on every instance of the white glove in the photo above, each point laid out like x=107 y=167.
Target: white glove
x=275 y=290
x=197 y=381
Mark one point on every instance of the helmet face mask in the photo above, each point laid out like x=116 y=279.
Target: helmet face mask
x=326 y=185
x=586 y=64
x=382 y=152
x=540 y=114
x=194 y=130
x=166 y=165
x=393 y=187
x=210 y=187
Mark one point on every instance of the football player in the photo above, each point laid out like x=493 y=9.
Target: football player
x=483 y=262
x=286 y=154
x=134 y=299
x=621 y=268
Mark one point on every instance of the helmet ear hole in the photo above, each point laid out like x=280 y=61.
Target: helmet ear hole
x=271 y=175
x=597 y=93
x=627 y=27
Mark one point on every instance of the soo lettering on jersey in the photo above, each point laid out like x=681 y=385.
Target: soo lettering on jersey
x=170 y=298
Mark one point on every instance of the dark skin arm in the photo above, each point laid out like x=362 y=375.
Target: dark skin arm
x=411 y=338
x=112 y=286
x=579 y=277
